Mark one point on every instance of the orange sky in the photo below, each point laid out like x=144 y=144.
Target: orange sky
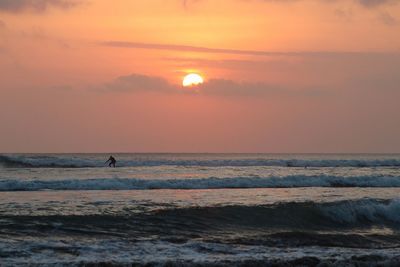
x=280 y=76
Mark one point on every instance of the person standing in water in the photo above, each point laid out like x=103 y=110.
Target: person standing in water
x=112 y=162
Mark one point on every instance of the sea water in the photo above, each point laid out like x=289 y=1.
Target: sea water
x=200 y=209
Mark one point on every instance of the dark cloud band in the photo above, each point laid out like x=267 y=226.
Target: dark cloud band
x=35 y=5
x=365 y=3
x=186 y=48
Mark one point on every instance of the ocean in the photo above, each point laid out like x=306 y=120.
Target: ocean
x=200 y=210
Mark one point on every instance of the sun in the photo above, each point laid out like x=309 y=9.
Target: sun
x=192 y=79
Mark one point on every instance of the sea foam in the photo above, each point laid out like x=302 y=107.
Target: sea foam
x=198 y=183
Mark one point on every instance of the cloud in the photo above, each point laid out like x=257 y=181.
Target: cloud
x=324 y=74
x=136 y=83
x=364 y=3
x=35 y=5
x=229 y=88
x=183 y=48
x=187 y=48
x=346 y=14
x=375 y=3
x=387 y=19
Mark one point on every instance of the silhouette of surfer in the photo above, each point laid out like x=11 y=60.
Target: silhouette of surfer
x=112 y=162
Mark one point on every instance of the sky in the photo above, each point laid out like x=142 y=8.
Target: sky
x=280 y=76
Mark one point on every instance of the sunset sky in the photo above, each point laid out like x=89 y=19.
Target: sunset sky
x=279 y=76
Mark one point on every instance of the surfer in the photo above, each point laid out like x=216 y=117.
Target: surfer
x=112 y=161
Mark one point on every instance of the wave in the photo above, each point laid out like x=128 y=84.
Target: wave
x=46 y=162
x=199 y=183
x=364 y=223
x=51 y=251
x=34 y=161
x=294 y=216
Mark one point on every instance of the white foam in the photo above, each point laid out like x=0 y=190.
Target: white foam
x=201 y=183
x=363 y=210
x=45 y=252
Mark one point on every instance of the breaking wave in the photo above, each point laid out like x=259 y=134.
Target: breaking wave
x=26 y=161
x=199 y=183
x=296 y=216
x=236 y=230
x=347 y=213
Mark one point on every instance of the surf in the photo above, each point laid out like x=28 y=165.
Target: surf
x=64 y=161
x=292 y=181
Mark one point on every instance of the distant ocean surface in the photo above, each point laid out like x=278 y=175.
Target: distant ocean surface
x=200 y=210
